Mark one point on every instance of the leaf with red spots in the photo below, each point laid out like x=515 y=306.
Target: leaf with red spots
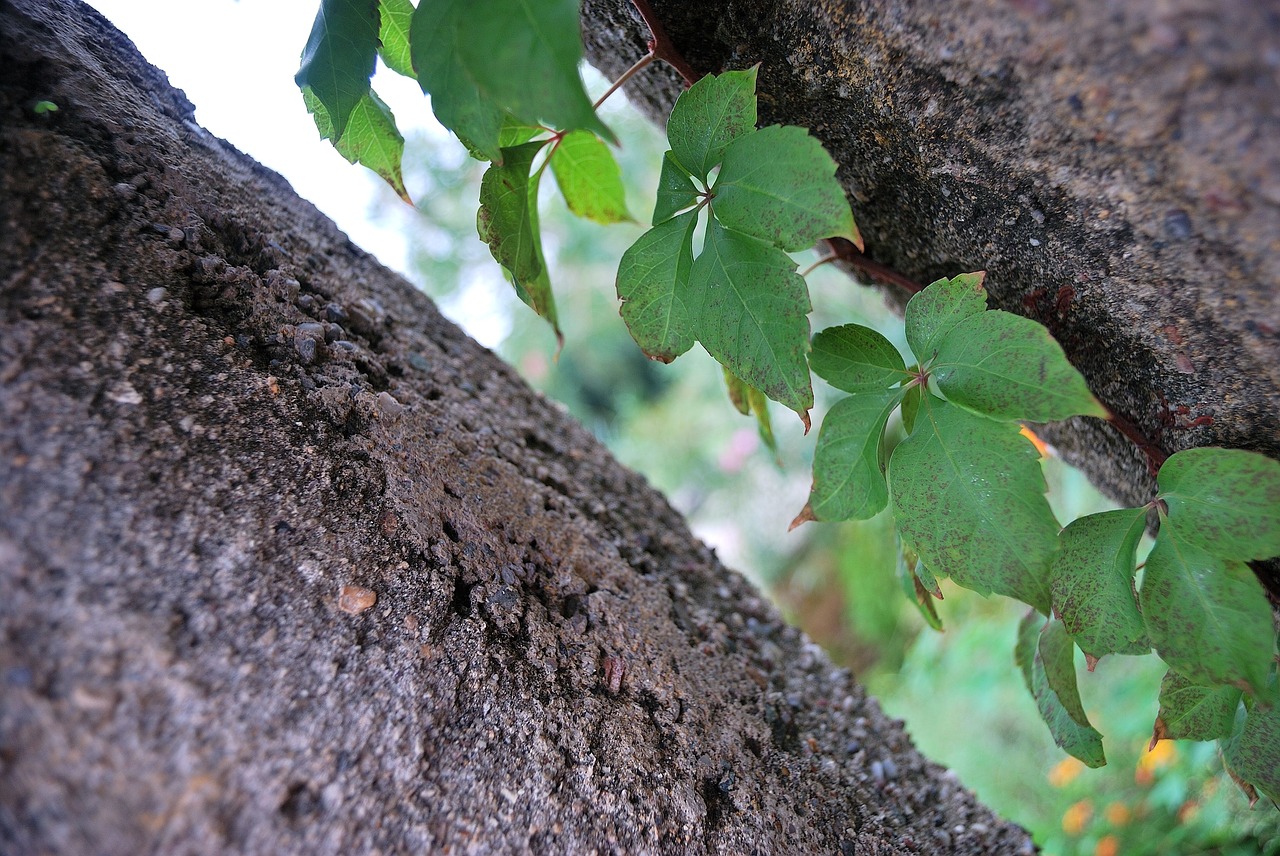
x=1093 y=589
x=1206 y=616
x=969 y=494
x=1189 y=711
x=1044 y=653
x=1227 y=499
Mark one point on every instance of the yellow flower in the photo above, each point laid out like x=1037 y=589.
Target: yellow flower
x=1108 y=846
x=1076 y=817
x=1064 y=772
x=1160 y=756
x=1118 y=814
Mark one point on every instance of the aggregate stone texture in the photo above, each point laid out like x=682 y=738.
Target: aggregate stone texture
x=288 y=564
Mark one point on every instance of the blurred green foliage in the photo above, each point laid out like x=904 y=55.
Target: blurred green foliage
x=958 y=691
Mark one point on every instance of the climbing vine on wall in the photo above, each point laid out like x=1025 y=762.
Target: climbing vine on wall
x=965 y=486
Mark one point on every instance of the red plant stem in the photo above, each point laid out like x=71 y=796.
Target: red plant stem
x=845 y=251
x=1155 y=455
x=626 y=75
x=884 y=273
x=827 y=259
x=661 y=46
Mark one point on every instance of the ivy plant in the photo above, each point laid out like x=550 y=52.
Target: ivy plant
x=741 y=297
x=964 y=483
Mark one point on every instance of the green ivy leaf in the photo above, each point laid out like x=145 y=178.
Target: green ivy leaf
x=848 y=463
x=513 y=133
x=1253 y=753
x=1206 y=616
x=748 y=400
x=918 y=584
x=589 y=178
x=750 y=311
x=455 y=97
x=969 y=494
x=393 y=35
x=1009 y=367
x=1093 y=590
x=856 y=359
x=1192 y=712
x=524 y=58
x=932 y=313
x=911 y=406
x=372 y=138
x=653 y=284
x=929 y=579
x=708 y=116
x=738 y=392
x=338 y=59
x=508 y=223
x=1225 y=501
x=676 y=190
x=778 y=184
x=1048 y=667
x=759 y=405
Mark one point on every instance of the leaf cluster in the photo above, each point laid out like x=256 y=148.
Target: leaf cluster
x=968 y=498
x=475 y=61
x=964 y=481
x=773 y=192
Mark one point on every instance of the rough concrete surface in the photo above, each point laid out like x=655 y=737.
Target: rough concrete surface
x=290 y=565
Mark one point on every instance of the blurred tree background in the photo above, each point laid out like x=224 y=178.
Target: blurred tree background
x=958 y=691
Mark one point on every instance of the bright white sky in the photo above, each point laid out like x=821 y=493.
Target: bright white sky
x=236 y=61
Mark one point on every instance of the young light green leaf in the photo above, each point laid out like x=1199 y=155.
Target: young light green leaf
x=848 y=464
x=653 y=284
x=1225 y=501
x=508 y=223
x=513 y=133
x=759 y=405
x=969 y=494
x=372 y=138
x=928 y=579
x=737 y=392
x=778 y=184
x=933 y=312
x=524 y=58
x=1253 y=754
x=589 y=178
x=750 y=311
x=918 y=584
x=535 y=291
x=339 y=57
x=455 y=98
x=676 y=190
x=708 y=116
x=856 y=359
x=911 y=406
x=1206 y=616
x=1008 y=367
x=747 y=400
x=1048 y=667
x=1092 y=585
x=1192 y=712
x=393 y=35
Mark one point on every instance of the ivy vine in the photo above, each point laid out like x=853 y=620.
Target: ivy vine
x=965 y=485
